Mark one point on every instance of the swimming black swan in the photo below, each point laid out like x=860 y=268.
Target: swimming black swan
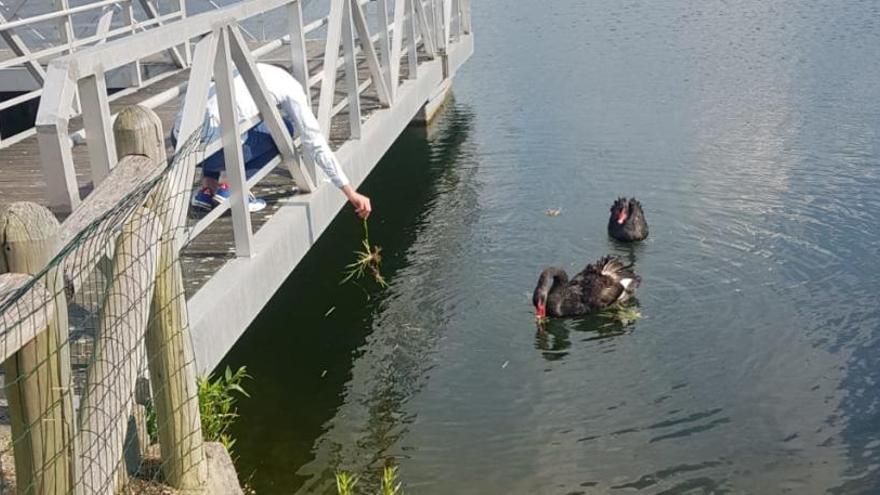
x=627 y=222
x=600 y=285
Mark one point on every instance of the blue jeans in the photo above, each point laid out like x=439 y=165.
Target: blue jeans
x=257 y=150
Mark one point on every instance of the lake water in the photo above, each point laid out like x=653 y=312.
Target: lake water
x=750 y=130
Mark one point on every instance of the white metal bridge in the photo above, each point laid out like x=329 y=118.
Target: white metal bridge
x=370 y=67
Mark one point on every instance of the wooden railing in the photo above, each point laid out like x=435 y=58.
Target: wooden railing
x=125 y=231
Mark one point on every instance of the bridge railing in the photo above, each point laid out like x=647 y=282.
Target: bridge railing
x=218 y=53
x=54 y=33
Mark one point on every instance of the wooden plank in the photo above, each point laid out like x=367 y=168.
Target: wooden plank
x=23 y=319
x=133 y=171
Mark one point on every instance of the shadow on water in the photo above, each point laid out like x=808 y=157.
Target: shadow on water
x=554 y=338
x=302 y=348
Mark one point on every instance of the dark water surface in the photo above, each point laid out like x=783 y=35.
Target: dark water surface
x=751 y=132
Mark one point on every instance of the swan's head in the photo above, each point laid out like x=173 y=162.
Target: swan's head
x=623 y=209
x=546 y=282
x=539 y=300
x=620 y=211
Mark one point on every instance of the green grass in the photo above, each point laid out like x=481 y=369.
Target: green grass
x=345 y=483
x=367 y=261
x=217 y=404
x=390 y=484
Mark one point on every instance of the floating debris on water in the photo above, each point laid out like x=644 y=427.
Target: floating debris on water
x=329 y=311
x=553 y=212
x=505 y=364
x=621 y=315
x=323 y=373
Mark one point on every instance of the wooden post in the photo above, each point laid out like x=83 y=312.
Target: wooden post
x=169 y=346
x=109 y=397
x=138 y=131
x=38 y=376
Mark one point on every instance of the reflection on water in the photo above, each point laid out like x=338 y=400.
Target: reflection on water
x=749 y=132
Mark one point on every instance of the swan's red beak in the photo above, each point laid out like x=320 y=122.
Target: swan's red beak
x=540 y=311
x=621 y=216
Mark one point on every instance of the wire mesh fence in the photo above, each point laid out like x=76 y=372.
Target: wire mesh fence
x=98 y=371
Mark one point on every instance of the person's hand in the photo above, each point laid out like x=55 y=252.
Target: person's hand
x=360 y=202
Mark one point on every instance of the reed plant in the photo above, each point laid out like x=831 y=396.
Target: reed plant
x=390 y=484
x=368 y=260
x=217 y=404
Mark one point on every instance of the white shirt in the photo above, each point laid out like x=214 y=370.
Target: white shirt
x=291 y=100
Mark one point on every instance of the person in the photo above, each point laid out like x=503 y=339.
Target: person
x=258 y=148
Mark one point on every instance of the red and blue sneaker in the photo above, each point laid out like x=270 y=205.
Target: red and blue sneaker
x=222 y=195
x=204 y=199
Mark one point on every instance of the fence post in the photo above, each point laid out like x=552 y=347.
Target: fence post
x=112 y=375
x=138 y=130
x=37 y=377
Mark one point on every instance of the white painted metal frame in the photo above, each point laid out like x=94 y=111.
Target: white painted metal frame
x=68 y=42
x=220 y=52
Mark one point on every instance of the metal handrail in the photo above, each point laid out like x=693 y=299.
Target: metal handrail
x=58 y=14
x=80 y=42
x=69 y=43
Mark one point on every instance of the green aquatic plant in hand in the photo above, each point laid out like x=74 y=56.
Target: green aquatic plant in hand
x=368 y=261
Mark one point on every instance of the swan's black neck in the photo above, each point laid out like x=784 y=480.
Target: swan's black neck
x=552 y=279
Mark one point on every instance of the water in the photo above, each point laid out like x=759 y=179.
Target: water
x=748 y=129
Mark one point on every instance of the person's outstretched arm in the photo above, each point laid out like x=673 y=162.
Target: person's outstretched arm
x=315 y=145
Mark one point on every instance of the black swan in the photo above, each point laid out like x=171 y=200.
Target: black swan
x=627 y=222
x=600 y=285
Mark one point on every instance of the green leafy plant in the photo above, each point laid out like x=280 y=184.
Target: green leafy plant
x=152 y=423
x=346 y=482
x=368 y=260
x=390 y=484
x=217 y=404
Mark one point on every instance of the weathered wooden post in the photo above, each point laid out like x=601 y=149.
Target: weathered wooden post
x=37 y=377
x=169 y=347
x=112 y=375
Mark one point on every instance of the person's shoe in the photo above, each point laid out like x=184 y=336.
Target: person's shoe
x=204 y=199
x=254 y=203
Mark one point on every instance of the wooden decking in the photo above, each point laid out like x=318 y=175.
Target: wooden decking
x=21 y=176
